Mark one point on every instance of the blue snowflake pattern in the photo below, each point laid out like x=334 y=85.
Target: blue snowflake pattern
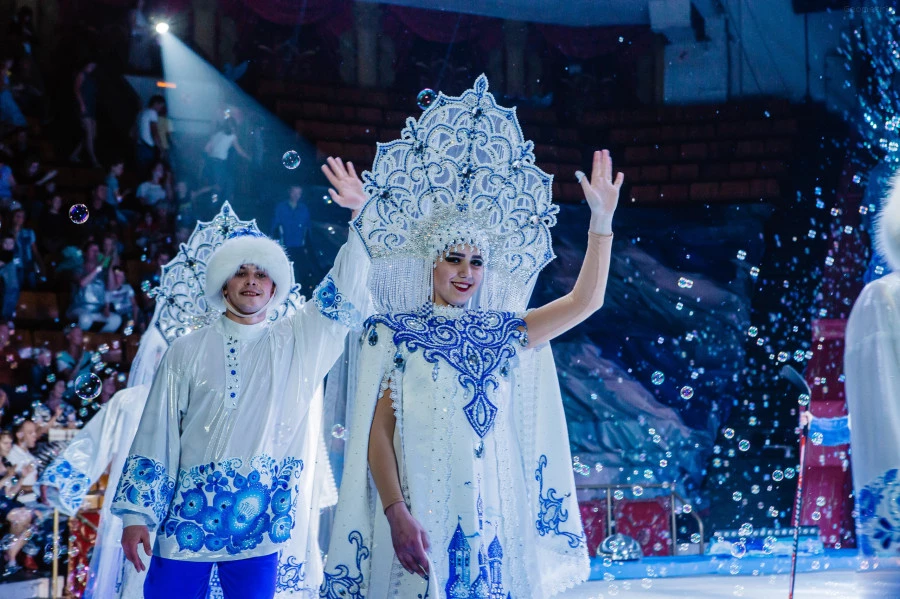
x=71 y=483
x=476 y=345
x=291 y=575
x=879 y=515
x=340 y=585
x=232 y=506
x=552 y=513
x=145 y=483
x=331 y=304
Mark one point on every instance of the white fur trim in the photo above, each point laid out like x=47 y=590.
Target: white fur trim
x=259 y=251
x=888 y=226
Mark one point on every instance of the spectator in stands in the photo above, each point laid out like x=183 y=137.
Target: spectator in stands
x=166 y=128
x=4 y=406
x=108 y=389
x=74 y=360
x=29 y=263
x=12 y=511
x=54 y=221
x=140 y=57
x=113 y=195
x=7 y=184
x=291 y=226
x=102 y=216
x=32 y=174
x=121 y=297
x=217 y=150
x=158 y=188
x=148 y=143
x=89 y=297
x=10 y=114
x=111 y=248
x=21 y=31
x=9 y=276
x=21 y=458
x=148 y=233
x=42 y=372
x=55 y=411
x=86 y=104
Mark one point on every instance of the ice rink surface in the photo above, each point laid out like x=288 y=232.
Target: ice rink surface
x=838 y=584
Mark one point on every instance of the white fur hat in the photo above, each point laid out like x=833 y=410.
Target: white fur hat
x=888 y=225
x=248 y=248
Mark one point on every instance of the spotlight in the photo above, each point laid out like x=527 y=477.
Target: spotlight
x=162 y=27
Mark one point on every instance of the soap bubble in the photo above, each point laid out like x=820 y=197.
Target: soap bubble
x=778 y=476
x=337 y=431
x=88 y=386
x=744 y=445
x=695 y=538
x=290 y=159
x=426 y=98
x=746 y=529
x=789 y=473
x=687 y=392
x=729 y=433
x=737 y=495
x=657 y=378
x=738 y=550
x=685 y=283
x=817 y=438
x=79 y=214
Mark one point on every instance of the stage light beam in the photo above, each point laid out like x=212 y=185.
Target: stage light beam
x=162 y=27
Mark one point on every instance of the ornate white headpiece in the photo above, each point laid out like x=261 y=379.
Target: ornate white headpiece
x=461 y=175
x=181 y=304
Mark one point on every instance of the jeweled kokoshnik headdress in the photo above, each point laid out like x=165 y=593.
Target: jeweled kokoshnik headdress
x=462 y=174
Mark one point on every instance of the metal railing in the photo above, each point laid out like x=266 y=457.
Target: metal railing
x=673 y=496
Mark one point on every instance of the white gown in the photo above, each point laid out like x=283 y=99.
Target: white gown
x=489 y=476
x=872 y=369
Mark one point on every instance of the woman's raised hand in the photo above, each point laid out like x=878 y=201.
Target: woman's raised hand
x=601 y=192
x=346 y=187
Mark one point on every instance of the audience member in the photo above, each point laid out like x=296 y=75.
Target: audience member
x=55 y=411
x=291 y=226
x=9 y=276
x=10 y=114
x=114 y=195
x=55 y=222
x=217 y=150
x=29 y=263
x=86 y=104
x=102 y=216
x=121 y=297
x=7 y=184
x=13 y=511
x=140 y=57
x=42 y=372
x=148 y=143
x=21 y=458
x=89 y=296
x=74 y=360
x=158 y=188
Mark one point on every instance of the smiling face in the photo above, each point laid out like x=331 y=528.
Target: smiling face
x=457 y=276
x=249 y=290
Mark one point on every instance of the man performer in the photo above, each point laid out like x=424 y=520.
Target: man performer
x=224 y=458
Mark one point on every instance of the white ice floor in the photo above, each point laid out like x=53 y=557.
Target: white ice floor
x=819 y=585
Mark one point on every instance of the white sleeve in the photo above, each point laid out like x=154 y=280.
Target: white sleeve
x=69 y=477
x=339 y=304
x=148 y=475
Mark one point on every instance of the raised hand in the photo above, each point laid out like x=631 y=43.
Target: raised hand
x=347 y=188
x=601 y=192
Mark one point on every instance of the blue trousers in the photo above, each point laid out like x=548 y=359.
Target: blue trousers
x=251 y=578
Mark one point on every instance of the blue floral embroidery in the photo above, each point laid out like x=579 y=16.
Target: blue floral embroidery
x=476 y=344
x=331 y=303
x=145 y=484
x=341 y=585
x=552 y=513
x=291 y=574
x=227 y=505
x=879 y=515
x=71 y=483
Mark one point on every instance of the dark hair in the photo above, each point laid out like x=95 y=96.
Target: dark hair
x=156 y=99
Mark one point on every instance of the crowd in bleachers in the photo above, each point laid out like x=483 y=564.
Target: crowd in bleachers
x=79 y=239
